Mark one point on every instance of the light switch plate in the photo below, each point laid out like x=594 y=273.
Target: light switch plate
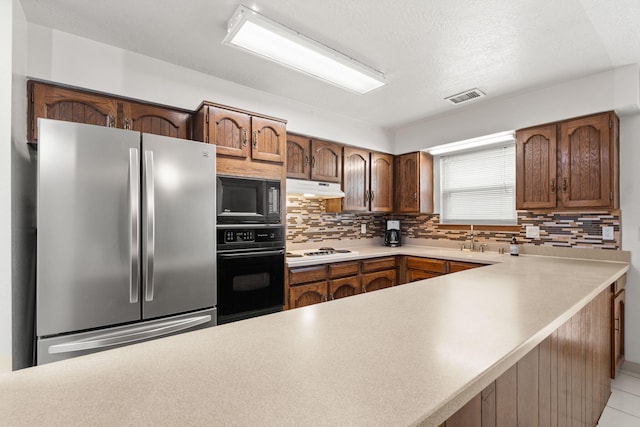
x=533 y=232
x=607 y=233
x=363 y=228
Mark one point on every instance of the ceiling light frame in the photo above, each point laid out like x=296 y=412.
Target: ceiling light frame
x=507 y=137
x=259 y=35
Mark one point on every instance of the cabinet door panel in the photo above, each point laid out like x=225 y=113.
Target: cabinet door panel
x=585 y=162
x=356 y=179
x=536 y=183
x=298 y=157
x=268 y=140
x=345 y=287
x=229 y=131
x=617 y=333
x=407 y=192
x=303 y=295
x=52 y=102
x=378 y=280
x=381 y=182
x=326 y=161
x=156 y=120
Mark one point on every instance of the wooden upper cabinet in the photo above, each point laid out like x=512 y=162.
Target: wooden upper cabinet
x=268 y=140
x=240 y=135
x=381 y=182
x=414 y=183
x=298 y=156
x=536 y=183
x=570 y=164
x=326 y=161
x=367 y=181
x=356 y=179
x=229 y=131
x=156 y=120
x=585 y=162
x=79 y=106
x=58 y=103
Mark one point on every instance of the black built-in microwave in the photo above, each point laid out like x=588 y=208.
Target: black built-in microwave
x=248 y=201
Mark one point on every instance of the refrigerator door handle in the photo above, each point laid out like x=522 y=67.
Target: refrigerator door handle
x=129 y=336
x=134 y=230
x=150 y=227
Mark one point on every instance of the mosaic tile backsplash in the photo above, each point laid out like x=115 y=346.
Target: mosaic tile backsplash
x=308 y=222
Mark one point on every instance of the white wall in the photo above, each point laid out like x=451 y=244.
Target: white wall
x=6 y=49
x=630 y=206
x=617 y=89
x=68 y=59
x=22 y=202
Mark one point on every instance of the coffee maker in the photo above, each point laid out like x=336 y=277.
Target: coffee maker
x=392 y=235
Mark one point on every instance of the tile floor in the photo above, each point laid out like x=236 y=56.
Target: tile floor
x=623 y=407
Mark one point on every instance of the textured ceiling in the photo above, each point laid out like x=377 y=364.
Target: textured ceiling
x=428 y=50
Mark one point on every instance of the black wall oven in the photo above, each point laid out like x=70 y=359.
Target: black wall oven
x=250 y=274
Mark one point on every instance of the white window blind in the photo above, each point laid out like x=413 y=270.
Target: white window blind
x=478 y=187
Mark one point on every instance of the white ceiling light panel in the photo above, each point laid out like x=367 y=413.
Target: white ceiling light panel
x=260 y=35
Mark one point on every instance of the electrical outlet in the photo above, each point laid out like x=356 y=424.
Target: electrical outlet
x=533 y=232
x=363 y=228
x=607 y=233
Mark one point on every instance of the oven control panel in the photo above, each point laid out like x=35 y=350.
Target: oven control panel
x=237 y=237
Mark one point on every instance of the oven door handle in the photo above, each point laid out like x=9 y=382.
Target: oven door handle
x=251 y=254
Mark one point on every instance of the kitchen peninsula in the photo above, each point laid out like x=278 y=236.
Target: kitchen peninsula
x=408 y=355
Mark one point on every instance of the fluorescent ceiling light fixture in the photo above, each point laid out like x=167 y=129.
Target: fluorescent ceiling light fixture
x=260 y=35
x=467 y=144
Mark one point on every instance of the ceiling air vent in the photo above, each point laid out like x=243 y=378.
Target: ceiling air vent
x=465 y=96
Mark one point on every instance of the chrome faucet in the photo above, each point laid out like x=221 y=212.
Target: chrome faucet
x=472 y=243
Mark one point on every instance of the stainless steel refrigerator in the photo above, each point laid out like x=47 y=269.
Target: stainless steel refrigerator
x=125 y=238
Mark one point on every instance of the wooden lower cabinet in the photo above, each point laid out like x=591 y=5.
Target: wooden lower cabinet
x=344 y=287
x=618 y=298
x=308 y=294
x=455 y=266
x=563 y=381
x=378 y=280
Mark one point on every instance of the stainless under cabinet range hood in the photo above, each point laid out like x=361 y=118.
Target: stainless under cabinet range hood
x=314 y=189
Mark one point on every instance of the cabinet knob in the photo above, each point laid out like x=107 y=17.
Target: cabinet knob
x=306 y=160
x=255 y=139
x=415 y=196
x=111 y=121
x=313 y=161
x=371 y=195
x=324 y=298
x=564 y=185
x=245 y=137
x=553 y=185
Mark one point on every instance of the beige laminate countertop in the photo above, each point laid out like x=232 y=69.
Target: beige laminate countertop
x=407 y=355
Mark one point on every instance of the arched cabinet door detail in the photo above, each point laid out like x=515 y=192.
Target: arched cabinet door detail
x=536 y=182
x=268 y=140
x=157 y=120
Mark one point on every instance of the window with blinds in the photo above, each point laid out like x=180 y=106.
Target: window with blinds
x=478 y=187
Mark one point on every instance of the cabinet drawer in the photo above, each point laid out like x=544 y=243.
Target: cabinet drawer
x=414 y=275
x=620 y=284
x=307 y=274
x=378 y=264
x=455 y=266
x=427 y=264
x=342 y=269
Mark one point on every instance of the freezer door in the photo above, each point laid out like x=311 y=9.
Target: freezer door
x=178 y=226
x=87 y=217
x=68 y=346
